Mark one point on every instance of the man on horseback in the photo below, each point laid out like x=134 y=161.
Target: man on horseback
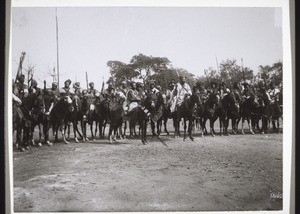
x=34 y=89
x=92 y=90
x=109 y=93
x=66 y=90
x=77 y=89
x=19 y=86
x=272 y=92
x=181 y=91
x=132 y=98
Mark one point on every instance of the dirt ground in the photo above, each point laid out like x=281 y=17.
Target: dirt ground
x=237 y=172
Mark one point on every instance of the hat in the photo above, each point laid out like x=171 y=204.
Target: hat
x=124 y=82
x=54 y=83
x=68 y=80
x=33 y=82
x=76 y=85
x=213 y=83
x=91 y=83
x=152 y=81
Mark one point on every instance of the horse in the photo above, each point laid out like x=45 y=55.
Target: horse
x=263 y=112
x=186 y=111
x=226 y=110
x=18 y=120
x=115 y=114
x=30 y=104
x=156 y=112
x=210 y=112
x=276 y=109
x=166 y=114
x=58 y=116
x=249 y=111
x=98 y=114
x=49 y=101
x=37 y=119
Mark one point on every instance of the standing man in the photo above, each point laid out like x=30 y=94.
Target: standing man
x=182 y=90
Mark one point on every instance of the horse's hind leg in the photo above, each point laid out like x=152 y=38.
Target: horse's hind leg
x=40 y=135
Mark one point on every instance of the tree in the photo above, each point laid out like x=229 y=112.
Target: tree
x=121 y=71
x=231 y=72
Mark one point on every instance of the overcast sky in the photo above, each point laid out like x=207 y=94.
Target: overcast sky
x=191 y=38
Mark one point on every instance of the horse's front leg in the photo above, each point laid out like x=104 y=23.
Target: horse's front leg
x=211 y=124
x=62 y=129
x=190 y=129
x=184 y=128
x=40 y=134
x=75 y=130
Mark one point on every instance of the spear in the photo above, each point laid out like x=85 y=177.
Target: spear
x=86 y=79
x=243 y=69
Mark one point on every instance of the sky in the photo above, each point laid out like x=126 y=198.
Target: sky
x=193 y=38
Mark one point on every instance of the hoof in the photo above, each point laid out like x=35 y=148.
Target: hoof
x=22 y=149
x=49 y=143
x=252 y=132
x=39 y=144
x=27 y=147
x=76 y=140
x=66 y=142
x=192 y=139
x=213 y=135
x=243 y=133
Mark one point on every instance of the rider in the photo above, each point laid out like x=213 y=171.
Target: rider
x=132 y=98
x=109 y=93
x=77 y=89
x=272 y=92
x=34 y=89
x=19 y=86
x=122 y=90
x=181 y=91
x=66 y=90
x=169 y=93
x=92 y=90
x=141 y=95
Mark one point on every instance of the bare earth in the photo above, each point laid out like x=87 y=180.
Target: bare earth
x=241 y=172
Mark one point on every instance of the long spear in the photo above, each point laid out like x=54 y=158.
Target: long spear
x=87 y=81
x=57 y=56
x=243 y=70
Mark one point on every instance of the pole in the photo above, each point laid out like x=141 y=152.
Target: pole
x=217 y=65
x=57 y=56
x=243 y=69
x=86 y=79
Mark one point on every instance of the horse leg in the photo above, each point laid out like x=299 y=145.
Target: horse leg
x=211 y=124
x=75 y=130
x=40 y=134
x=110 y=133
x=184 y=128
x=62 y=129
x=221 y=125
x=46 y=133
x=190 y=129
x=250 y=126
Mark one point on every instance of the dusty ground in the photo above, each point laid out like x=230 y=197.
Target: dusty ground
x=242 y=172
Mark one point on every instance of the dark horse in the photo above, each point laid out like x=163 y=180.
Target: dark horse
x=227 y=109
x=114 y=108
x=276 y=108
x=58 y=116
x=186 y=111
x=98 y=113
x=156 y=112
x=210 y=112
x=249 y=111
x=25 y=116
